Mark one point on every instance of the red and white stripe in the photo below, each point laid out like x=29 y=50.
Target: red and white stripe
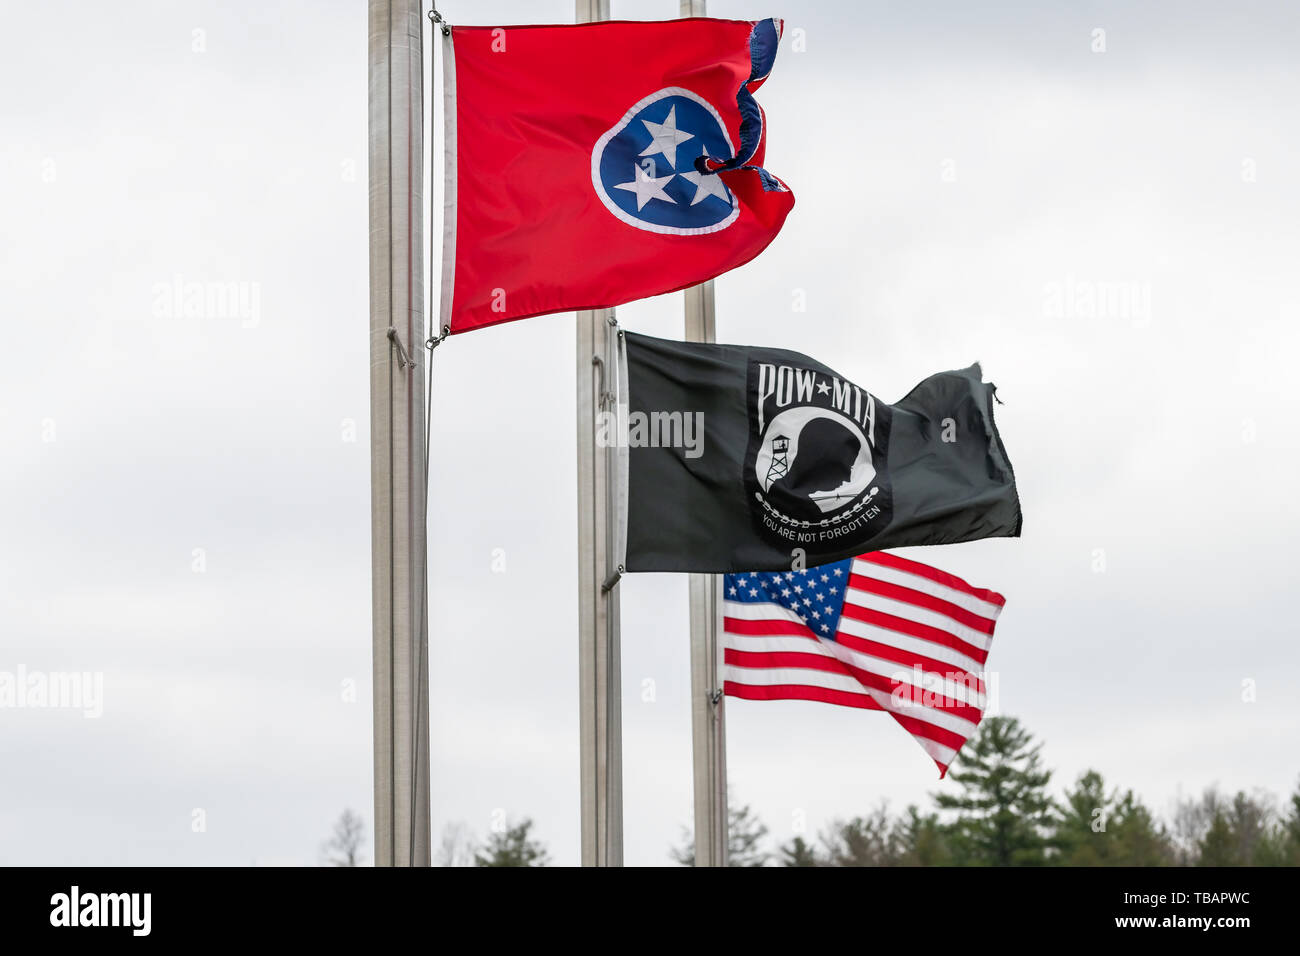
x=912 y=641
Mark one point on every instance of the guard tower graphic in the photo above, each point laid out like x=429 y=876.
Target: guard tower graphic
x=780 y=465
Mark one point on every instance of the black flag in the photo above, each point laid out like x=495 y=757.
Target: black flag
x=756 y=459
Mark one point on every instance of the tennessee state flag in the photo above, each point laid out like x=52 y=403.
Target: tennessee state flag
x=593 y=164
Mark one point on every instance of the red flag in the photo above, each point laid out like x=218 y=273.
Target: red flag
x=595 y=164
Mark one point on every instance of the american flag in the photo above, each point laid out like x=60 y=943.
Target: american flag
x=876 y=631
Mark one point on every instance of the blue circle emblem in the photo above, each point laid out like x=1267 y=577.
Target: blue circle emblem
x=643 y=168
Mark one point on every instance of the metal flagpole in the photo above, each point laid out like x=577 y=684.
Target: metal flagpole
x=708 y=727
x=599 y=696
x=397 y=434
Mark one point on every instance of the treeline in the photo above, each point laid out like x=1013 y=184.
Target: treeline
x=507 y=845
x=999 y=814
x=1003 y=815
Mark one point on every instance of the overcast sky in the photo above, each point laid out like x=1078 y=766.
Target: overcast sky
x=186 y=499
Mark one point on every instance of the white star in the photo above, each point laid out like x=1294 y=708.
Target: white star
x=833 y=590
x=706 y=185
x=666 y=136
x=825 y=577
x=733 y=590
x=798 y=589
x=753 y=592
x=825 y=628
x=742 y=581
x=785 y=592
x=815 y=614
x=822 y=386
x=647 y=187
x=837 y=572
x=807 y=602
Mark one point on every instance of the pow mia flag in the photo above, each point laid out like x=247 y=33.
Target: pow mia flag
x=756 y=459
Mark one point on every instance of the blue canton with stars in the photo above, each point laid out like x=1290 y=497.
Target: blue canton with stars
x=815 y=594
x=648 y=167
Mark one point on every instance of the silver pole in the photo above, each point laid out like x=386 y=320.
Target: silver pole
x=401 y=693
x=708 y=727
x=600 y=700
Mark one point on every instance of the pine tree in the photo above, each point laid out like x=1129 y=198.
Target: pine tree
x=1281 y=845
x=798 y=852
x=1003 y=808
x=1094 y=828
x=745 y=832
x=1243 y=831
x=1251 y=822
x=1290 y=833
x=1081 y=823
x=1139 y=839
x=921 y=840
x=1273 y=848
x=1293 y=821
x=1217 y=847
x=513 y=847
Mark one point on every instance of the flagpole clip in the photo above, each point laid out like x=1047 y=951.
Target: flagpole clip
x=612 y=580
x=442 y=24
x=714 y=696
x=432 y=342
